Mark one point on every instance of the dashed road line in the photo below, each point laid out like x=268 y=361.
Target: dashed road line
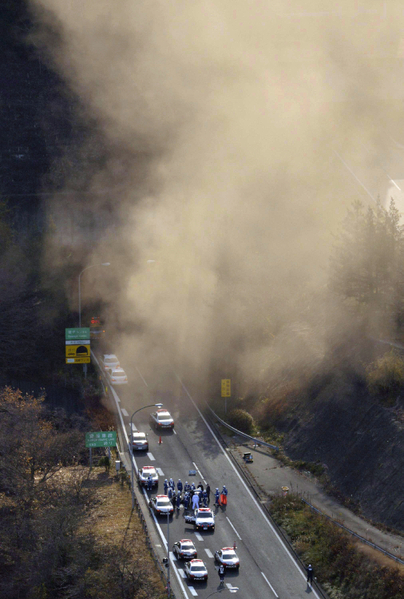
x=268 y=583
x=160 y=472
x=124 y=412
x=208 y=552
x=151 y=457
x=193 y=592
x=228 y=520
x=181 y=571
x=199 y=536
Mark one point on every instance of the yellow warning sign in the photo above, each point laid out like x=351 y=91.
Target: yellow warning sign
x=78 y=351
x=226 y=388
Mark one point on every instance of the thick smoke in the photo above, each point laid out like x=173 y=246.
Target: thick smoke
x=222 y=122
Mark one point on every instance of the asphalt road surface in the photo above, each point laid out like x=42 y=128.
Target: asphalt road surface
x=267 y=569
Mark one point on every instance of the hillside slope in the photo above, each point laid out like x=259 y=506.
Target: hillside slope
x=361 y=445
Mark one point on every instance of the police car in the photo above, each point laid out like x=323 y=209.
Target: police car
x=228 y=557
x=196 y=570
x=185 y=549
x=145 y=472
x=162 y=419
x=161 y=505
x=202 y=518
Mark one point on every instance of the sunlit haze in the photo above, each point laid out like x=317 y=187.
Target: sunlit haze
x=236 y=134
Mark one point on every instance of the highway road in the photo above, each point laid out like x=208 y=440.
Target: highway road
x=267 y=569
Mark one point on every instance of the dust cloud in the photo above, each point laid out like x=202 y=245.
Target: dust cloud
x=220 y=121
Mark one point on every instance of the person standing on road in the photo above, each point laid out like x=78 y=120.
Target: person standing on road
x=205 y=498
x=186 y=501
x=217 y=497
x=200 y=486
x=208 y=492
x=178 y=500
x=171 y=484
x=222 y=572
x=195 y=501
x=223 y=497
x=310 y=574
x=165 y=486
x=187 y=487
x=170 y=493
x=149 y=483
x=179 y=485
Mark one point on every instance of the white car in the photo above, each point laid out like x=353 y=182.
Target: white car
x=162 y=419
x=117 y=376
x=139 y=441
x=110 y=361
x=145 y=472
x=196 y=570
x=228 y=557
x=203 y=519
x=185 y=549
x=161 y=505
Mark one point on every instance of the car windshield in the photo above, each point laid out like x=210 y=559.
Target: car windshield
x=198 y=568
x=228 y=555
x=118 y=372
x=139 y=436
x=151 y=472
x=110 y=360
x=187 y=546
x=204 y=515
x=163 y=502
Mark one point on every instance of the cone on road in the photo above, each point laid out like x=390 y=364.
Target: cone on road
x=160 y=441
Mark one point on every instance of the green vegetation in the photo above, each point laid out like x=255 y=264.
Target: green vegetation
x=385 y=377
x=339 y=566
x=242 y=421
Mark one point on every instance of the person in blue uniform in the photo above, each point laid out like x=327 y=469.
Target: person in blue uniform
x=178 y=500
x=165 y=486
x=179 y=485
x=186 y=500
x=217 y=497
x=149 y=483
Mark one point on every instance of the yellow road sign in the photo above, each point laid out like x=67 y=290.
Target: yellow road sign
x=78 y=352
x=226 y=388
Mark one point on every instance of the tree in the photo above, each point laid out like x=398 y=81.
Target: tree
x=366 y=264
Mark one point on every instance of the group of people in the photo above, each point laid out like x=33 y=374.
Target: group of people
x=192 y=496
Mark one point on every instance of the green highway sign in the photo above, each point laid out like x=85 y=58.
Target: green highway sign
x=77 y=334
x=101 y=439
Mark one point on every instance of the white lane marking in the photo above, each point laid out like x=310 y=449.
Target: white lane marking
x=267 y=581
x=159 y=470
x=124 y=412
x=181 y=571
x=208 y=552
x=134 y=428
x=174 y=431
x=151 y=457
x=243 y=482
x=140 y=374
x=200 y=473
x=228 y=520
x=353 y=174
x=115 y=396
x=193 y=592
x=199 y=536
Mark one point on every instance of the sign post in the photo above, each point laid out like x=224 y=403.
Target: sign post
x=226 y=392
x=101 y=439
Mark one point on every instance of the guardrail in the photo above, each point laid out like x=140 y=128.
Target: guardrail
x=354 y=534
x=234 y=430
x=122 y=443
